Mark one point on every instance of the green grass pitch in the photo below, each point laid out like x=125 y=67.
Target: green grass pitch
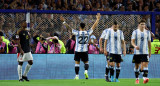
x=80 y=82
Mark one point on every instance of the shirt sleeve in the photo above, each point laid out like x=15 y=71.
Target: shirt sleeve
x=107 y=35
x=103 y=34
x=122 y=36
x=149 y=37
x=133 y=35
x=90 y=31
x=75 y=32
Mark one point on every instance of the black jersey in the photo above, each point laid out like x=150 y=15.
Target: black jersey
x=24 y=41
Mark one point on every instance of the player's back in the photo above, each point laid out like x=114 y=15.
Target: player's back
x=82 y=38
x=24 y=40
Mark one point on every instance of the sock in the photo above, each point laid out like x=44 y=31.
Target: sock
x=86 y=66
x=117 y=72
x=77 y=69
x=107 y=70
x=28 y=67
x=19 y=69
x=111 y=71
x=136 y=73
x=145 y=72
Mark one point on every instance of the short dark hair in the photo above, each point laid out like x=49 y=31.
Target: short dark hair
x=142 y=21
x=82 y=25
x=115 y=23
x=56 y=34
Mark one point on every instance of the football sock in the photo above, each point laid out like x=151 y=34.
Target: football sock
x=107 y=70
x=86 y=66
x=136 y=73
x=77 y=69
x=19 y=69
x=145 y=72
x=111 y=71
x=117 y=72
x=28 y=67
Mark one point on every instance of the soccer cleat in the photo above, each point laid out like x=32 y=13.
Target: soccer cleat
x=137 y=81
x=107 y=79
x=112 y=79
x=146 y=80
x=25 y=78
x=21 y=80
x=86 y=75
x=76 y=77
x=117 y=80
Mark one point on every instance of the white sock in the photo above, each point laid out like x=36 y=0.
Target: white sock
x=77 y=75
x=144 y=78
x=86 y=71
x=28 y=67
x=19 y=69
x=137 y=78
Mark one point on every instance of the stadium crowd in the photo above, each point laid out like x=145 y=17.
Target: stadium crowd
x=49 y=25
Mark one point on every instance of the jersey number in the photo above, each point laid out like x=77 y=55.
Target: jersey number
x=157 y=49
x=83 y=40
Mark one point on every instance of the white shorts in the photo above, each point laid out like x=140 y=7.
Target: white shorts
x=25 y=57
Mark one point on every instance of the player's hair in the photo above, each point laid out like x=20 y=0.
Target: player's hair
x=142 y=21
x=115 y=23
x=82 y=25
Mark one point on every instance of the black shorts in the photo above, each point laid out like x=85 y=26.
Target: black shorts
x=115 y=58
x=81 y=56
x=107 y=57
x=140 y=58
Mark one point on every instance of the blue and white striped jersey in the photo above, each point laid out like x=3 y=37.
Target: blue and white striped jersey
x=141 y=40
x=115 y=39
x=82 y=38
x=103 y=35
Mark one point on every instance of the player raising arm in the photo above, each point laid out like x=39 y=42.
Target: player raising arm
x=81 y=51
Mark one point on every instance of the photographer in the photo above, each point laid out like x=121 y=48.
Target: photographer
x=93 y=46
x=55 y=46
x=41 y=44
x=13 y=45
x=3 y=47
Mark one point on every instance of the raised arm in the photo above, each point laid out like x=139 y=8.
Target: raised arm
x=98 y=16
x=64 y=23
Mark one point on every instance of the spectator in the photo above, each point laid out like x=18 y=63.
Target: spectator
x=93 y=46
x=70 y=46
x=3 y=46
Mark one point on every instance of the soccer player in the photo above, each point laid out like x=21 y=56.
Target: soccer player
x=81 y=51
x=115 y=37
x=24 y=51
x=101 y=50
x=141 y=40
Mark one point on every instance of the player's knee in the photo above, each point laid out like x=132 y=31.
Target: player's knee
x=30 y=62
x=21 y=63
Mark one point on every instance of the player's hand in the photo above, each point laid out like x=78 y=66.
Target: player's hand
x=124 y=53
x=105 y=53
x=149 y=55
x=62 y=19
x=101 y=50
x=98 y=16
x=22 y=52
x=137 y=48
